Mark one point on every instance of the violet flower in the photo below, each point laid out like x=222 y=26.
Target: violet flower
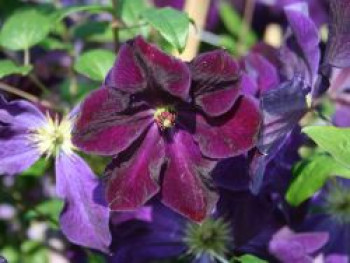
x=26 y=134
x=170 y=235
x=285 y=105
x=290 y=247
x=165 y=127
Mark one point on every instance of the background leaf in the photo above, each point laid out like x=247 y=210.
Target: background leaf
x=249 y=259
x=95 y=64
x=173 y=25
x=333 y=140
x=7 y=67
x=24 y=29
x=311 y=175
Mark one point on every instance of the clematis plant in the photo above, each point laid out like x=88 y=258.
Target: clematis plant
x=167 y=123
x=26 y=134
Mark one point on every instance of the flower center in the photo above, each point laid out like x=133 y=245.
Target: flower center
x=165 y=117
x=338 y=203
x=212 y=237
x=53 y=136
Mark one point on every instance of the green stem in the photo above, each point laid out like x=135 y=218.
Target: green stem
x=25 y=95
x=247 y=19
x=26 y=59
x=115 y=22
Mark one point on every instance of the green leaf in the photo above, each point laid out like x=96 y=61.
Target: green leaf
x=34 y=252
x=24 y=29
x=54 y=44
x=173 y=25
x=249 y=259
x=333 y=140
x=64 y=12
x=38 y=169
x=7 y=67
x=311 y=175
x=47 y=209
x=95 y=64
x=95 y=258
x=234 y=23
x=130 y=13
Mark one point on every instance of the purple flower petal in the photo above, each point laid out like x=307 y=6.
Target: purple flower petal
x=140 y=64
x=84 y=220
x=290 y=247
x=17 y=120
x=21 y=114
x=216 y=77
x=133 y=179
x=338 y=46
x=311 y=241
x=264 y=73
x=17 y=152
x=282 y=109
x=304 y=44
x=186 y=186
x=232 y=134
x=337 y=258
x=127 y=73
x=103 y=128
x=169 y=73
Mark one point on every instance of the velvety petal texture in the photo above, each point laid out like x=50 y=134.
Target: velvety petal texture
x=338 y=46
x=186 y=186
x=104 y=127
x=85 y=217
x=233 y=133
x=17 y=120
x=216 y=77
x=140 y=63
x=133 y=177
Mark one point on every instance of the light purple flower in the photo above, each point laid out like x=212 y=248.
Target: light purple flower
x=290 y=247
x=25 y=135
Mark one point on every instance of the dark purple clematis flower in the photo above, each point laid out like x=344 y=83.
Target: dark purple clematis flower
x=164 y=126
x=290 y=247
x=25 y=135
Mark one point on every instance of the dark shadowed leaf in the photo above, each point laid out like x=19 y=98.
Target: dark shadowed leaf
x=173 y=25
x=64 y=12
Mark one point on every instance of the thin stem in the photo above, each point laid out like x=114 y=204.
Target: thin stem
x=247 y=19
x=25 y=95
x=26 y=59
x=39 y=84
x=115 y=28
